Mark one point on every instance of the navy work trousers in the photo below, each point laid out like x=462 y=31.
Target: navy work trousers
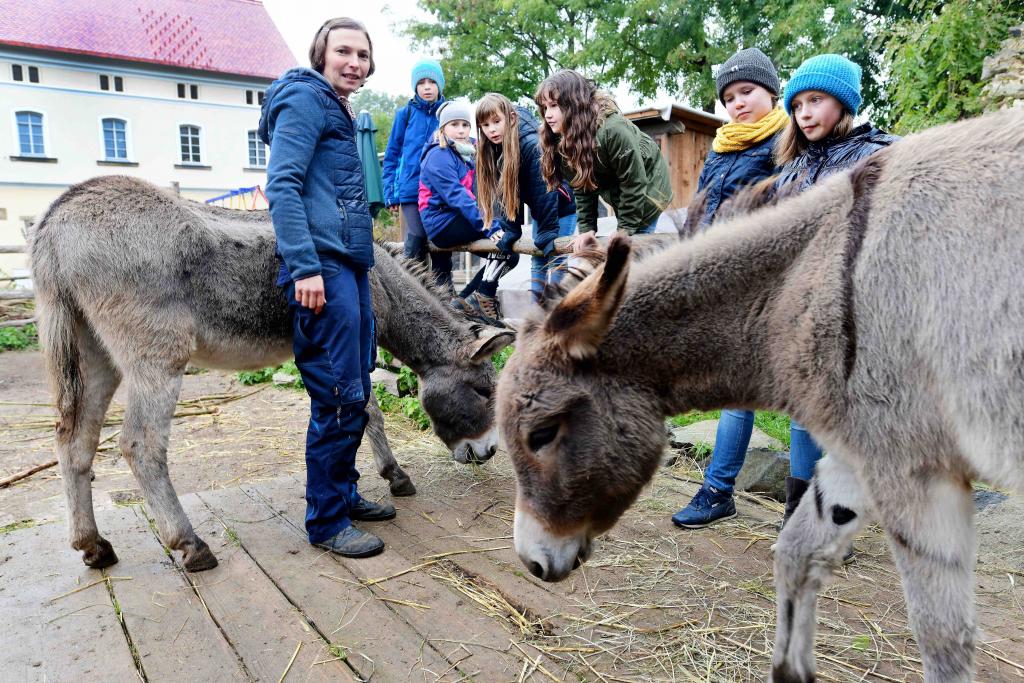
x=334 y=352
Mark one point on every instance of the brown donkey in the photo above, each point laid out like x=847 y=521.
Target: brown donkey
x=133 y=284
x=881 y=309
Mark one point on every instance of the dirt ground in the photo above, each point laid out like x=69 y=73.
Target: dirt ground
x=654 y=603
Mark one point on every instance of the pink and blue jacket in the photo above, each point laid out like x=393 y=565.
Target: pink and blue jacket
x=447 y=201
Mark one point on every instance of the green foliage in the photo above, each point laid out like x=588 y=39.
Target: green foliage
x=687 y=419
x=921 y=61
x=382 y=108
x=249 y=377
x=409 y=406
x=501 y=358
x=18 y=338
x=385 y=358
x=408 y=383
x=775 y=425
x=935 y=60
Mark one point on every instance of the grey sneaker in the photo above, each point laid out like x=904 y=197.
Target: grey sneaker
x=366 y=511
x=351 y=542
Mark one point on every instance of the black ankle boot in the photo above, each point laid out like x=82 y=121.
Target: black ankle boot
x=795 y=490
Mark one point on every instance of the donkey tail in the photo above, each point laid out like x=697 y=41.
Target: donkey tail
x=58 y=323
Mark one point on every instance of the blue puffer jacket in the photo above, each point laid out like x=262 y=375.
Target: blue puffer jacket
x=828 y=156
x=545 y=207
x=447 y=194
x=727 y=173
x=315 y=182
x=413 y=126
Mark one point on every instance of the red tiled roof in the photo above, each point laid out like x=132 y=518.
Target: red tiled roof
x=224 y=36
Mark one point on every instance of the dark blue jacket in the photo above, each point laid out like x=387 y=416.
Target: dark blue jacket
x=727 y=173
x=315 y=183
x=447 y=192
x=545 y=207
x=414 y=124
x=828 y=156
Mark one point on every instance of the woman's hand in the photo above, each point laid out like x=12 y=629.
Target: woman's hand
x=309 y=292
x=581 y=241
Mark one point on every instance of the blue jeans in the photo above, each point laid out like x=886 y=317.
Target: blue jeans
x=732 y=440
x=650 y=228
x=334 y=352
x=545 y=269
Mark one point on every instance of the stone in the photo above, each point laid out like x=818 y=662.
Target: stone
x=764 y=471
x=283 y=378
x=692 y=435
x=387 y=378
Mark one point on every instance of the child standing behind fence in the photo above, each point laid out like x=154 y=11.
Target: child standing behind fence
x=586 y=141
x=448 y=208
x=508 y=177
x=414 y=125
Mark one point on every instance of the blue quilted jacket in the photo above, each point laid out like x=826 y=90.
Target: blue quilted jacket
x=726 y=173
x=315 y=181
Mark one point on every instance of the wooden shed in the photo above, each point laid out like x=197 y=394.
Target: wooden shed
x=685 y=137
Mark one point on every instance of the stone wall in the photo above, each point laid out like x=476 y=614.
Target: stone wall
x=1003 y=73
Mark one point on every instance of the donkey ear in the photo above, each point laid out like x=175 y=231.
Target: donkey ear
x=578 y=324
x=489 y=342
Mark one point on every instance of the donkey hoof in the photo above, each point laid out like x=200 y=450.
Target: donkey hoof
x=402 y=486
x=199 y=558
x=100 y=555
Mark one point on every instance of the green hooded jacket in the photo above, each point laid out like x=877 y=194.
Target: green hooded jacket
x=631 y=176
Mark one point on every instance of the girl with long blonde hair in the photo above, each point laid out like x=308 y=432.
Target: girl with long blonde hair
x=509 y=177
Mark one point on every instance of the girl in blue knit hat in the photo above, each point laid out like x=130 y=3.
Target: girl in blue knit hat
x=414 y=125
x=822 y=99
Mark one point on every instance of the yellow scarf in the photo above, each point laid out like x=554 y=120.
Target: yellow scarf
x=736 y=137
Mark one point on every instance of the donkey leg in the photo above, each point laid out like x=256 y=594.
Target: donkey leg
x=387 y=466
x=152 y=396
x=930 y=525
x=810 y=548
x=75 y=453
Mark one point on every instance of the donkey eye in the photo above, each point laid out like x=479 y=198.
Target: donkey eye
x=539 y=438
x=484 y=392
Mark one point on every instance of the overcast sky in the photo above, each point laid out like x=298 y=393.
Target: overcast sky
x=392 y=51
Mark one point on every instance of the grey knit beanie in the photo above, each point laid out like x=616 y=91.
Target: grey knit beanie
x=748 y=65
x=454 y=110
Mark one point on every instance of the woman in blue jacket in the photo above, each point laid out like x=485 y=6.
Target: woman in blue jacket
x=325 y=243
x=413 y=127
x=509 y=177
x=448 y=209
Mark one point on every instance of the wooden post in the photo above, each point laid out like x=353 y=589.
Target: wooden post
x=176 y=188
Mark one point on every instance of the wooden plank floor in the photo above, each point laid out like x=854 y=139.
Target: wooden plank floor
x=447 y=601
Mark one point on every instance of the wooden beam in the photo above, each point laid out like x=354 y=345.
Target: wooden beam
x=13 y=248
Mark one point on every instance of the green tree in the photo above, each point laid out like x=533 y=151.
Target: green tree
x=511 y=45
x=382 y=108
x=934 y=62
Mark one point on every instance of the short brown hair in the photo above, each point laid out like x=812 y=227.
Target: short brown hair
x=318 y=50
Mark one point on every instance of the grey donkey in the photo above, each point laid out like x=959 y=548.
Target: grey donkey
x=881 y=309
x=133 y=284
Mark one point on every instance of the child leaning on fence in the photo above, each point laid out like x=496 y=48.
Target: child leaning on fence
x=413 y=127
x=588 y=142
x=451 y=218
x=509 y=177
x=741 y=155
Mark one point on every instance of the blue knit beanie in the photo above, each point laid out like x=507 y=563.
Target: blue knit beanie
x=427 y=68
x=832 y=74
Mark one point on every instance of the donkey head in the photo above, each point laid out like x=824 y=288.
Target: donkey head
x=459 y=396
x=582 y=438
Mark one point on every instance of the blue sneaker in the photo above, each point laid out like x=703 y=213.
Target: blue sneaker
x=708 y=506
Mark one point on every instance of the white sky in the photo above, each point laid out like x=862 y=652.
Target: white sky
x=392 y=51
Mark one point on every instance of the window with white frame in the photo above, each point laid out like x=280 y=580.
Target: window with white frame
x=18 y=72
x=115 y=139
x=30 y=133
x=257 y=151
x=189 y=136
